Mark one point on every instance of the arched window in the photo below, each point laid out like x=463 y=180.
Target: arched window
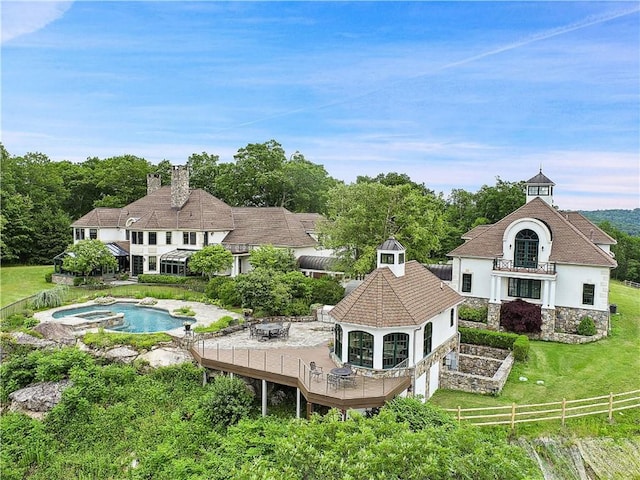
x=395 y=349
x=526 y=253
x=361 y=349
x=337 y=348
x=428 y=339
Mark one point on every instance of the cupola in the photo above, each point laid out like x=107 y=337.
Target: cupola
x=540 y=186
x=391 y=254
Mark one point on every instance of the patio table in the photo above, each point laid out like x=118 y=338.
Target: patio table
x=343 y=375
x=268 y=330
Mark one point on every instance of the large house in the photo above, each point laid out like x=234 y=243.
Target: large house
x=402 y=320
x=159 y=232
x=558 y=260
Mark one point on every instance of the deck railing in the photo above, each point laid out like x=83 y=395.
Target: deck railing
x=562 y=410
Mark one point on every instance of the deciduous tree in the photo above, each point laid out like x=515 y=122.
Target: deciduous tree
x=210 y=260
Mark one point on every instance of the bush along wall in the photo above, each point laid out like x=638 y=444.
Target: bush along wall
x=473 y=314
x=504 y=340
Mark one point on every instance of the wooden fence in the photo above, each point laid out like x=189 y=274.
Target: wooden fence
x=629 y=283
x=16 y=307
x=512 y=414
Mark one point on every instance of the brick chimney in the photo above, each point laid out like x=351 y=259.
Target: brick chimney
x=179 y=186
x=154 y=182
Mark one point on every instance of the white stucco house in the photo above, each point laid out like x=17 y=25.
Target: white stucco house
x=402 y=320
x=557 y=260
x=159 y=232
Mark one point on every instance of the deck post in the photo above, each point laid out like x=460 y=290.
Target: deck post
x=309 y=409
x=264 y=398
x=204 y=377
x=297 y=402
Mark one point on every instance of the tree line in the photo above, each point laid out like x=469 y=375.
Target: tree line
x=41 y=198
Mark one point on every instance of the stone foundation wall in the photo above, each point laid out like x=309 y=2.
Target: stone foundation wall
x=568 y=319
x=493 y=317
x=62 y=279
x=558 y=325
x=475 y=302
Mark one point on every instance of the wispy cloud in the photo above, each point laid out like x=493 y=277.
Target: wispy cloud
x=23 y=18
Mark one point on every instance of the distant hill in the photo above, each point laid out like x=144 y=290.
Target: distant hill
x=627 y=221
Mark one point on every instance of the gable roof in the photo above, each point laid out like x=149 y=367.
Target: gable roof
x=202 y=211
x=384 y=300
x=570 y=245
x=588 y=229
x=275 y=226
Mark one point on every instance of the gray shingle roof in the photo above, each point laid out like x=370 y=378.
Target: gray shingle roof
x=540 y=179
x=384 y=300
x=275 y=226
x=570 y=244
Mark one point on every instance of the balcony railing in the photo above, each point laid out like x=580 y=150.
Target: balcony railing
x=510 y=266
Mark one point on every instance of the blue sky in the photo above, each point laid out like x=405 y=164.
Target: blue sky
x=453 y=94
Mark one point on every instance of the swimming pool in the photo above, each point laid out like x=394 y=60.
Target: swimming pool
x=136 y=319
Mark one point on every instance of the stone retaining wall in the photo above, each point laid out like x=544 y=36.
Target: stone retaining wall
x=484 y=351
x=568 y=319
x=490 y=374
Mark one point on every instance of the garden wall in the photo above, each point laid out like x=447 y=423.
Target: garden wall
x=480 y=370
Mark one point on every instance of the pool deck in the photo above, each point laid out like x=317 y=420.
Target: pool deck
x=205 y=314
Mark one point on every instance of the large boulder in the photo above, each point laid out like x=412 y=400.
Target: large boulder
x=56 y=332
x=22 y=338
x=164 y=357
x=121 y=354
x=38 y=398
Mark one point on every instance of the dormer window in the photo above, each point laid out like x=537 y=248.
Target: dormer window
x=526 y=253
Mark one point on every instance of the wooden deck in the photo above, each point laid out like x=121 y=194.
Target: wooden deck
x=290 y=366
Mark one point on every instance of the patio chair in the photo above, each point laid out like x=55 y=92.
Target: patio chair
x=349 y=380
x=252 y=330
x=333 y=381
x=315 y=371
x=284 y=333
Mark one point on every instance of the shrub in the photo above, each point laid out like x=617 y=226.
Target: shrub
x=521 y=317
x=297 y=307
x=51 y=298
x=472 y=314
x=185 y=311
x=213 y=287
x=228 y=294
x=326 y=291
x=521 y=348
x=77 y=281
x=228 y=401
x=48 y=277
x=221 y=323
x=488 y=338
x=164 y=279
x=587 y=327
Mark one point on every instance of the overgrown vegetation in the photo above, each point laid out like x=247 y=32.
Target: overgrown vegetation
x=137 y=341
x=51 y=298
x=114 y=422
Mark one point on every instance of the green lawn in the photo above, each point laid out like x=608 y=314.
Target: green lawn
x=20 y=282
x=572 y=371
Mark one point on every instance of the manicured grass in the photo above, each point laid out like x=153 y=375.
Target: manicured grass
x=571 y=371
x=20 y=282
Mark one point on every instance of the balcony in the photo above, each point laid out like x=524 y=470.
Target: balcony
x=510 y=266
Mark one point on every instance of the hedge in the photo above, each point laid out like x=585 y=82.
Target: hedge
x=164 y=279
x=488 y=338
x=472 y=314
x=521 y=348
x=504 y=340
